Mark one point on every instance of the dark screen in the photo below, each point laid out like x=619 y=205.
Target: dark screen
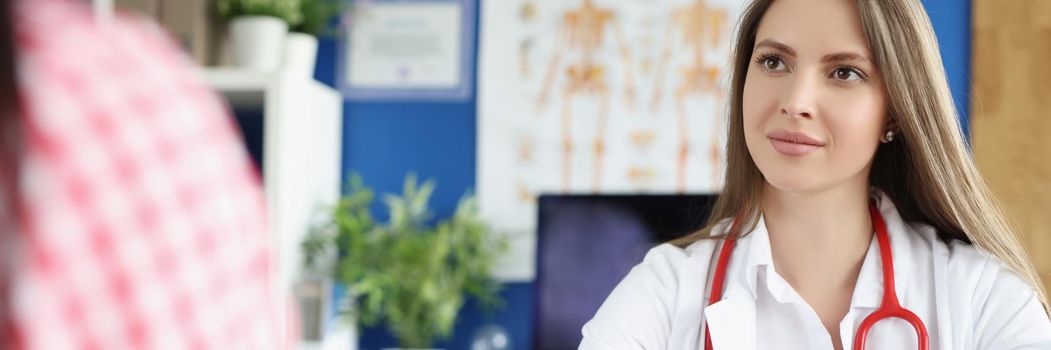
x=587 y=244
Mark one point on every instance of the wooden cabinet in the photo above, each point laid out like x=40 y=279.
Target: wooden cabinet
x=1011 y=100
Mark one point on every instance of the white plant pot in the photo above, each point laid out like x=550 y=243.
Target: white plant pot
x=258 y=42
x=300 y=55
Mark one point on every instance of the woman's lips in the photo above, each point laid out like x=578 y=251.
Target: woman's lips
x=793 y=143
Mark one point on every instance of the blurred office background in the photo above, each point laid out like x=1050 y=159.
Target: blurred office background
x=481 y=124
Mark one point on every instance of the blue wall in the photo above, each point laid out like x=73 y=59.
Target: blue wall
x=383 y=141
x=952 y=24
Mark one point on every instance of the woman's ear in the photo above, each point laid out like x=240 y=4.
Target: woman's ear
x=892 y=125
x=890 y=129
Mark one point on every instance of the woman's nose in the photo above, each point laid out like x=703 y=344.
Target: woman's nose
x=800 y=97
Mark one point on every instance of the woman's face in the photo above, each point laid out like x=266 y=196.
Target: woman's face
x=814 y=105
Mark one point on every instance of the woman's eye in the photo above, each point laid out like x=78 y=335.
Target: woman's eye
x=846 y=74
x=771 y=63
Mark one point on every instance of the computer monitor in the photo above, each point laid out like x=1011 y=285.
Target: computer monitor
x=587 y=243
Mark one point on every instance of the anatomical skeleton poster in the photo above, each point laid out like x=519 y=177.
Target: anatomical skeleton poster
x=599 y=96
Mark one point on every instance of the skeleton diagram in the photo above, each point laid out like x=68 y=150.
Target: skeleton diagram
x=694 y=29
x=581 y=33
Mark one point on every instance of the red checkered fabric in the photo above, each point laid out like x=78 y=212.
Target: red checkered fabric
x=144 y=221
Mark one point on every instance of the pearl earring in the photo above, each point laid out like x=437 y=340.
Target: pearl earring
x=888 y=137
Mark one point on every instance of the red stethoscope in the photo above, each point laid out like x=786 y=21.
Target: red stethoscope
x=888 y=308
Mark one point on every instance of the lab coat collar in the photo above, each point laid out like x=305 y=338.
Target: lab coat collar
x=732 y=319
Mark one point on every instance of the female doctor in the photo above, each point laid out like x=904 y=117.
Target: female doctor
x=847 y=173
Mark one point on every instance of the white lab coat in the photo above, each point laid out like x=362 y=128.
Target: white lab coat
x=967 y=299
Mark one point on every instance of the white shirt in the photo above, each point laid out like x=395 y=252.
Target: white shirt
x=966 y=298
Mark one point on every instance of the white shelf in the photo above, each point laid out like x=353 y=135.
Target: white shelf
x=243 y=88
x=236 y=79
x=247 y=89
x=302 y=143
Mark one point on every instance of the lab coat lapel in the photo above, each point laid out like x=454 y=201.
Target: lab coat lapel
x=732 y=319
x=732 y=324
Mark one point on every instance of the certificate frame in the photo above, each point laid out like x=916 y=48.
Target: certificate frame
x=460 y=90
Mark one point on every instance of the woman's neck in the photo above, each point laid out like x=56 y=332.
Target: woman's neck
x=818 y=240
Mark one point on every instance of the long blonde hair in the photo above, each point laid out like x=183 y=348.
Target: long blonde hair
x=928 y=173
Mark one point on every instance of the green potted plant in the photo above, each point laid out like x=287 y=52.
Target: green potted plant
x=411 y=276
x=301 y=46
x=258 y=29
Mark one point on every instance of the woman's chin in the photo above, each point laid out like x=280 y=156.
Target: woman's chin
x=795 y=183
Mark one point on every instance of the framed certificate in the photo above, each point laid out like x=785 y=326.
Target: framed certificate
x=408 y=50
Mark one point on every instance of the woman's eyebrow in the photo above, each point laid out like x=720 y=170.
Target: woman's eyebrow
x=776 y=45
x=832 y=57
x=844 y=56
